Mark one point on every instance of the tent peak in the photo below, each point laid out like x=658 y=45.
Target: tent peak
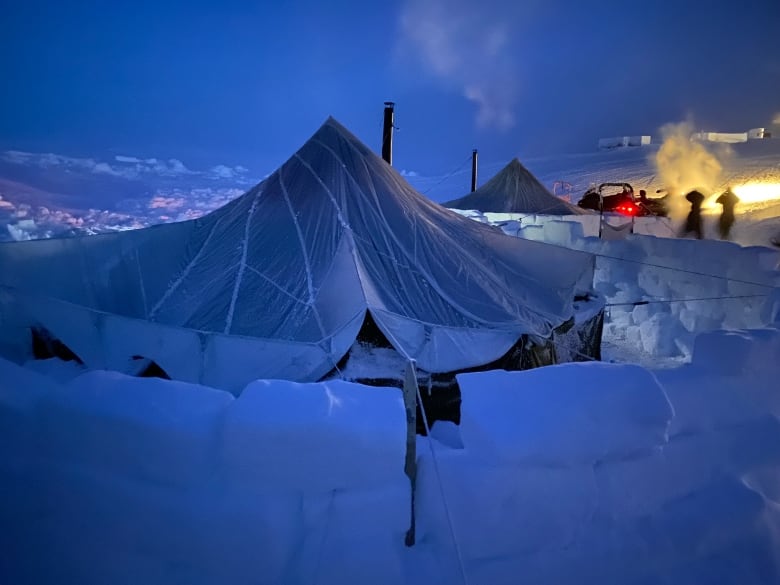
x=515 y=164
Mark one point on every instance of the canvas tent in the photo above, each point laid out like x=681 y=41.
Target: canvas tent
x=279 y=282
x=514 y=190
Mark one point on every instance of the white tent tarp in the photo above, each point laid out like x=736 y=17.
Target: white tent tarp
x=514 y=190
x=290 y=269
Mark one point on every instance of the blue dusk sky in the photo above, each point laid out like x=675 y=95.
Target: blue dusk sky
x=231 y=89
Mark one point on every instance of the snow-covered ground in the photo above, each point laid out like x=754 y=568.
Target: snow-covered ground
x=662 y=467
x=578 y=473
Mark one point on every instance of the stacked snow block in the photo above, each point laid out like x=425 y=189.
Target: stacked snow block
x=747 y=352
x=563 y=233
x=660 y=227
x=700 y=302
x=771 y=311
x=340 y=447
x=548 y=228
x=528 y=232
x=565 y=414
x=725 y=426
x=524 y=484
x=599 y=473
x=21 y=390
x=315 y=437
x=144 y=429
x=14 y=329
x=174 y=482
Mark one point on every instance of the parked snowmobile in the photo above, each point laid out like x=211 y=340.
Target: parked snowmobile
x=623 y=202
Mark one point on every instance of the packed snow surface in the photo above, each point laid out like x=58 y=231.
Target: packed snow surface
x=577 y=473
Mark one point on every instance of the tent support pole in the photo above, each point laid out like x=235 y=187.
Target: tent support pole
x=388 y=125
x=410 y=465
x=473 y=170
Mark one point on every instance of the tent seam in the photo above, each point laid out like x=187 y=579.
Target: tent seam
x=241 y=265
x=185 y=272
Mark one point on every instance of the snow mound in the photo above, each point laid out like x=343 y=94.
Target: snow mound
x=627 y=486
x=20 y=392
x=146 y=428
x=563 y=415
x=532 y=508
x=315 y=490
x=315 y=437
x=737 y=352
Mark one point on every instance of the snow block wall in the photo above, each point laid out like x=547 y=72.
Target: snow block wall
x=620 y=409
x=569 y=474
x=661 y=292
x=599 y=473
x=112 y=479
x=536 y=226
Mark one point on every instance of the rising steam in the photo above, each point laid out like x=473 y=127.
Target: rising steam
x=683 y=165
x=466 y=45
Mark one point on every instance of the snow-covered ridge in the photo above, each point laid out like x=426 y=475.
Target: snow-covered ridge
x=576 y=473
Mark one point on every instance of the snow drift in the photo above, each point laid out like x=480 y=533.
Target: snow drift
x=577 y=473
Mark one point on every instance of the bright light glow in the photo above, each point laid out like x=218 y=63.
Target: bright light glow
x=755 y=192
x=749 y=193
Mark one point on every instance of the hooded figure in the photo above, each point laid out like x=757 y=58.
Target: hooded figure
x=591 y=199
x=693 y=222
x=728 y=200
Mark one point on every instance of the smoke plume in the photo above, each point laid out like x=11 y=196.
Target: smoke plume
x=683 y=165
x=466 y=45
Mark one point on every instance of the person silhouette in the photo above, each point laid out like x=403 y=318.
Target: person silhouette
x=693 y=221
x=728 y=200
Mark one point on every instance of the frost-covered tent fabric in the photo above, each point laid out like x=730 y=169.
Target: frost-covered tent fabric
x=277 y=283
x=514 y=190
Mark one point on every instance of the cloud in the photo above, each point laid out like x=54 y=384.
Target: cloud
x=405 y=173
x=226 y=172
x=21 y=219
x=178 y=193
x=465 y=44
x=16 y=156
x=776 y=120
x=124 y=166
x=27 y=222
x=183 y=204
x=166 y=203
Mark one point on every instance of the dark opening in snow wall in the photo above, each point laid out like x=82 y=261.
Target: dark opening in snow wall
x=278 y=282
x=373 y=361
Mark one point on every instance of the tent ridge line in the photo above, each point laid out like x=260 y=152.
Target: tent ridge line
x=435 y=285
x=185 y=272
x=241 y=265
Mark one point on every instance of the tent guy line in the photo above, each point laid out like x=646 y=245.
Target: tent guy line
x=683 y=270
x=661 y=301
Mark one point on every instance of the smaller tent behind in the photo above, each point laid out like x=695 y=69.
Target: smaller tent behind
x=514 y=190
